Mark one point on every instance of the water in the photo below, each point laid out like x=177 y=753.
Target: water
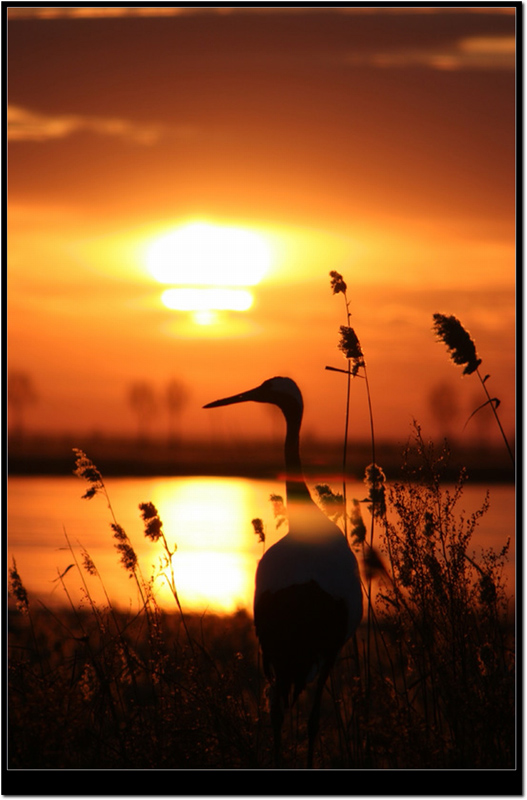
x=209 y=519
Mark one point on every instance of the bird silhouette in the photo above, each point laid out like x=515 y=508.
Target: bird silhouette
x=308 y=597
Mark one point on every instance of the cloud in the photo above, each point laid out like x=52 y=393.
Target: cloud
x=97 y=12
x=108 y=12
x=470 y=53
x=30 y=126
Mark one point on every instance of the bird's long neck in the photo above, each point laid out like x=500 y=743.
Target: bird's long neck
x=295 y=484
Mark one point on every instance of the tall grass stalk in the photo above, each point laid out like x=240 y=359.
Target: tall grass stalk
x=462 y=349
x=19 y=592
x=339 y=286
x=154 y=532
x=494 y=403
x=87 y=470
x=104 y=684
x=351 y=348
x=91 y=569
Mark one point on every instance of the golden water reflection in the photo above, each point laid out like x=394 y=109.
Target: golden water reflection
x=217 y=554
x=208 y=519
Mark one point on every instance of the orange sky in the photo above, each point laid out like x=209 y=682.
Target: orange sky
x=380 y=143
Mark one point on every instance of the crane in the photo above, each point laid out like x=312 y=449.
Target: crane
x=308 y=597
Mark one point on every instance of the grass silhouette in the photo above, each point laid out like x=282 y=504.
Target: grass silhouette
x=463 y=352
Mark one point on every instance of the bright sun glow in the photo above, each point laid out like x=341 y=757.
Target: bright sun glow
x=207 y=299
x=217 y=553
x=213 y=255
x=205 y=259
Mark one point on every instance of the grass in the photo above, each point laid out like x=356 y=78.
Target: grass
x=116 y=692
x=428 y=683
x=437 y=647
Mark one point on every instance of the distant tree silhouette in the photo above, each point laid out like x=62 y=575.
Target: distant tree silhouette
x=142 y=400
x=176 y=398
x=20 y=394
x=444 y=405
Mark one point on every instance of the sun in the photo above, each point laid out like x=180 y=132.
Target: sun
x=213 y=255
x=209 y=267
x=192 y=299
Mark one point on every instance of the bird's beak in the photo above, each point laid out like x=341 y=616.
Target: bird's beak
x=252 y=394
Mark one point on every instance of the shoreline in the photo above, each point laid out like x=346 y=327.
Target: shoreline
x=41 y=456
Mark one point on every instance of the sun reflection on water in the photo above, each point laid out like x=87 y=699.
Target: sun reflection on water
x=217 y=581
x=207 y=520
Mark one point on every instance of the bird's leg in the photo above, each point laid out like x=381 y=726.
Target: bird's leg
x=314 y=717
x=277 y=719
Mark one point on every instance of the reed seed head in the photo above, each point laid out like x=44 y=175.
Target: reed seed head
x=88 y=564
x=375 y=480
x=337 y=282
x=86 y=469
x=18 y=589
x=119 y=532
x=349 y=344
x=153 y=524
x=462 y=349
x=258 y=528
x=127 y=552
x=279 y=509
x=332 y=502
x=358 y=528
x=128 y=556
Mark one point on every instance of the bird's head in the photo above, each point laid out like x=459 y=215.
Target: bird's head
x=281 y=392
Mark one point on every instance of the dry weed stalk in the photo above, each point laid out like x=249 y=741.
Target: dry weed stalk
x=462 y=349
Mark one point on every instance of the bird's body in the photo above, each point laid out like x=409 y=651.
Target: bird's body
x=308 y=598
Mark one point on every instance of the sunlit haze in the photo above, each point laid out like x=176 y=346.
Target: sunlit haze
x=176 y=216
